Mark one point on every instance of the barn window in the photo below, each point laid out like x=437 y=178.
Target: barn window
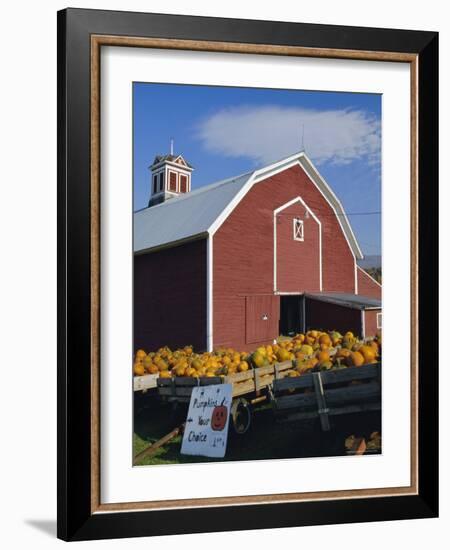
x=379 y=320
x=155 y=184
x=161 y=181
x=298 y=229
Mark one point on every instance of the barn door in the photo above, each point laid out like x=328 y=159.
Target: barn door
x=292 y=320
x=262 y=318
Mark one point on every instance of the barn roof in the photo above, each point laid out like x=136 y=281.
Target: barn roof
x=184 y=217
x=202 y=211
x=354 y=301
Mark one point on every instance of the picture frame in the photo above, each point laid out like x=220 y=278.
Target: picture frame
x=81 y=35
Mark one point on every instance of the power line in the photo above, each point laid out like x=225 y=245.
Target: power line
x=377 y=212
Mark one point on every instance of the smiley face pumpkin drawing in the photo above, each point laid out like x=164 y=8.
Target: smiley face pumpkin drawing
x=219 y=418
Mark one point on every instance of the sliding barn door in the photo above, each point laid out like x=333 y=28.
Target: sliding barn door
x=262 y=315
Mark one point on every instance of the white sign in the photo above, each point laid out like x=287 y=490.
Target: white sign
x=206 y=429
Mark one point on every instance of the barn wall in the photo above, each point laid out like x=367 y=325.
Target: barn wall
x=325 y=316
x=170 y=297
x=370 y=319
x=367 y=286
x=298 y=262
x=229 y=321
x=243 y=251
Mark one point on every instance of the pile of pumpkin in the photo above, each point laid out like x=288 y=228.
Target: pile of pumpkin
x=317 y=351
x=312 y=351
x=184 y=362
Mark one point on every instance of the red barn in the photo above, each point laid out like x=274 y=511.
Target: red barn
x=239 y=262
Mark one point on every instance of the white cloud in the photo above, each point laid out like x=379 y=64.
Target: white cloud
x=267 y=133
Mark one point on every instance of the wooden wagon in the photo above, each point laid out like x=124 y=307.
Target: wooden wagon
x=145 y=382
x=328 y=393
x=249 y=388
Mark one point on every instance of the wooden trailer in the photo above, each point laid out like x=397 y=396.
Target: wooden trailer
x=320 y=394
x=249 y=388
x=145 y=382
x=324 y=394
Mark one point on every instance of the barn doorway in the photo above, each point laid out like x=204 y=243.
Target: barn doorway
x=292 y=314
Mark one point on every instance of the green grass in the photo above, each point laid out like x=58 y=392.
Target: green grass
x=266 y=439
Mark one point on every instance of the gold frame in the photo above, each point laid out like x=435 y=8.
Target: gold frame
x=97 y=41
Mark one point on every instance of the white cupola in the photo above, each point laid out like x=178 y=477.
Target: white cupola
x=170 y=177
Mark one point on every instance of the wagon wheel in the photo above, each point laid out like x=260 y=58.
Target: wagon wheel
x=241 y=415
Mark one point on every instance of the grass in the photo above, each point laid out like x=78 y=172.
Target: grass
x=266 y=439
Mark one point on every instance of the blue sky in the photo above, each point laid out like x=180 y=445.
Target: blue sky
x=226 y=131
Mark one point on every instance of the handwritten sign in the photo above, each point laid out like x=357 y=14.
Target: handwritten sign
x=206 y=430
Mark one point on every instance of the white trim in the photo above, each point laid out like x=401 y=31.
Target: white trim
x=370 y=276
x=316 y=219
x=163 y=192
x=180 y=157
x=330 y=197
x=328 y=191
x=253 y=178
x=297 y=231
x=280 y=293
x=379 y=315
x=179 y=166
x=152 y=174
x=162 y=164
x=157 y=170
x=274 y=252
x=303 y=327
x=153 y=187
x=209 y=293
x=166 y=168
x=303 y=161
x=363 y=324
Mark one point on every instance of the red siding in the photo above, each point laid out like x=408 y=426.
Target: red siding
x=298 y=262
x=367 y=286
x=325 y=316
x=370 y=321
x=243 y=251
x=170 y=297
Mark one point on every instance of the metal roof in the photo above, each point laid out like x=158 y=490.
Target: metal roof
x=355 y=301
x=184 y=217
x=202 y=211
